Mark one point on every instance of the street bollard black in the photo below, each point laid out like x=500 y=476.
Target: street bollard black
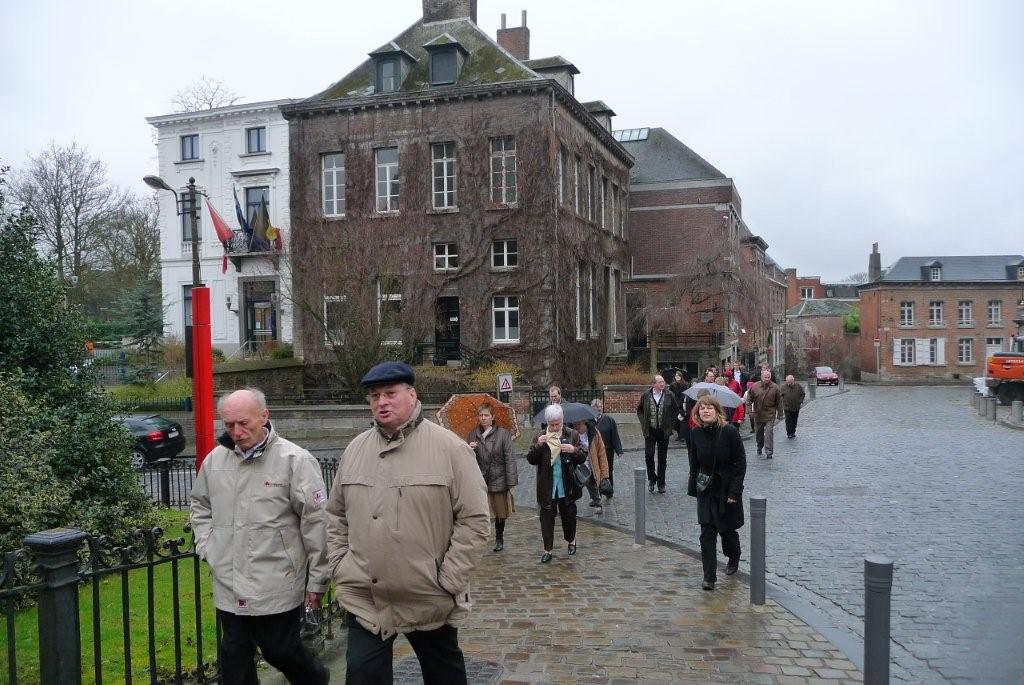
x=164 y=464
x=877 y=606
x=60 y=651
x=990 y=408
x=1017 y=411
x=758 y=512
x=640 y=505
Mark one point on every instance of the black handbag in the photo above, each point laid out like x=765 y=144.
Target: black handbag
x=582 y=473
x=605 y=488
x=703 y=480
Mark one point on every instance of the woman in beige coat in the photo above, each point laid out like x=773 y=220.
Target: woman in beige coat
x=597 y=459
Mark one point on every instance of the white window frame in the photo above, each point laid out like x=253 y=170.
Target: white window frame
x=965 y=345
x=965 y=307
x=806 y=293
x=506 y=309
x=388 y=202
x=341 y=334
x=503 y=163
x=576 y=178
x=579 y=302
x=936 y=273
x=1020 y=273
x=383 y=297
x=505 y=253
x=196 y=148
x=443 y=174
x=332 y=177
x=593 y=299
x=613 y=209
x=444 y=256
x=995 y=307
x=935 y=312
x=601 y=208
x=908 y=351
x=561 y=175
x=906 y=313
x=591 y=193
x=261 y=137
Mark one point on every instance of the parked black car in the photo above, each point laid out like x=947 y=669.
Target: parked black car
x=155 y=437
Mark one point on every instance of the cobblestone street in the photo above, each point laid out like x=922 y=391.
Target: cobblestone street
x=911 y=473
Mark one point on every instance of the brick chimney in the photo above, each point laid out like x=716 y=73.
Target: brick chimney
x=515 y=40
x=874 y=264
x=444 y=10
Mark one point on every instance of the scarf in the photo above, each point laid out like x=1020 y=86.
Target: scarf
x=555 y=445
x=487 y=432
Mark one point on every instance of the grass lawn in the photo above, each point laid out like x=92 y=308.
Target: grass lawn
x=171 y=388
x=110 y=613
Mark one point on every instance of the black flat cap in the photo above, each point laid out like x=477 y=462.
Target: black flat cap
x=389 y=373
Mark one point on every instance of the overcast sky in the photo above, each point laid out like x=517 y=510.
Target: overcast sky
x=842 y=123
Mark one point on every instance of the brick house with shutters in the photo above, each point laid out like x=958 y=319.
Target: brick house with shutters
x=452 y=198
x=938 y=318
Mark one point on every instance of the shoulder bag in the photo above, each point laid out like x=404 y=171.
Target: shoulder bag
x=703 y=480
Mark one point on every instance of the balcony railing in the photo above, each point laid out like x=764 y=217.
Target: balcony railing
x=689 y=341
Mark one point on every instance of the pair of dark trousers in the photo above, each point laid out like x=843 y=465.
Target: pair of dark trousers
x=656 y=438
x=792 y=415
x=567 y=512
x=708 y=557
x=277 y=636
x=369 y=657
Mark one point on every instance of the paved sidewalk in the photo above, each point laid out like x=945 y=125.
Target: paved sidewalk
x=619 y=613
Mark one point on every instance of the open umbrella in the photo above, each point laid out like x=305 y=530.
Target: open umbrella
x=572 y=411
x=459 y=413
x=725 y=396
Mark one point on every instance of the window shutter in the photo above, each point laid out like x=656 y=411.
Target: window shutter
x=896 y=351
x=942 y=352
x=922 y=355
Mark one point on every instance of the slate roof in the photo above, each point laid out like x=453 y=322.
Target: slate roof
x=486 y=61
x=556 y=62
x=956 y=268
x=841 y=291
x=662 y=157
x=598 y=107
x=820 y=308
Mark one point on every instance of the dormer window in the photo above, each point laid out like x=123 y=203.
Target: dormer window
x=1020 y=273
x=443 y=67
x=936 y=272
x=387 y=76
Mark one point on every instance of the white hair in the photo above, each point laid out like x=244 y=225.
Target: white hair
x=553 y=413
x=257 y=395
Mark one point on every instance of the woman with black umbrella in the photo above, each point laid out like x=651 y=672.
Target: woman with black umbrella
x=717 y=467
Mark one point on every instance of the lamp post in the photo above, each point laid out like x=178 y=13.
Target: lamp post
x=201 y=353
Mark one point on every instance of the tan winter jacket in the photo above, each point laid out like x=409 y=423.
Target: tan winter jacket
x=257 y=522
x=407 y=524
x=766 y=401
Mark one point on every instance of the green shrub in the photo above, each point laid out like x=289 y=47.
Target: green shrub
x=285 y=351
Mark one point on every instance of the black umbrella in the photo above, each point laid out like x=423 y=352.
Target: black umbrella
x=572 y=411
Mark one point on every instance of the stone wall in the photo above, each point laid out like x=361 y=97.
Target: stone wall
x=275 y=377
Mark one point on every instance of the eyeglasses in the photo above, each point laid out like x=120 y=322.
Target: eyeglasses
x=374 y=397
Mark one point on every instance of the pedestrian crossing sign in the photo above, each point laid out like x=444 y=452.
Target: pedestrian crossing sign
x=504 y=382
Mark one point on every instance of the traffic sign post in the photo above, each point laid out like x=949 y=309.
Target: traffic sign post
x=504 y=386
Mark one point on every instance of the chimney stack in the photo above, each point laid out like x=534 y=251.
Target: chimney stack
x=874 y=264
x=515 y=40
x=445 y=10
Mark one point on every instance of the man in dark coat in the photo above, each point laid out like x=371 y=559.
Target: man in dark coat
x=792 y=399
x=657 y=411
x=610 y=435
x=766 y=404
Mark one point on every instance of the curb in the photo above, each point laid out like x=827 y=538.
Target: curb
x=846 y=641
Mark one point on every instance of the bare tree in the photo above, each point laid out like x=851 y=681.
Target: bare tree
x=858 y=278
x=204 y=93
x=129 y=244
x=68 y=191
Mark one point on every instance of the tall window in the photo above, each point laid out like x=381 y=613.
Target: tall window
x=936 y=273
x=995 y=312
x=256 y=139
x=580 y=327
x=504 y=190
x=965 y=350
x=563 y=179
x=505 y=310
x=592 y=300
x=806 y=293
x=387 y=76
x=186 y=303
x=190 y=147
x=935 y=313
x=387 y=179
x=906 y=313
x=965 y=312
x=443 y=155
x=186 y=218
x=334 y=330
x=622 y=214
x=253 y=198
x=333 y=183
x=602 y=202
x=576 y=183
x=591 y=194
x=907 y=346
x=504 y=254
x=446 y=256
x=933 y=351
x=389 y=313
x=612 y=208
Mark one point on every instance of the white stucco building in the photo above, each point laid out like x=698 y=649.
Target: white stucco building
x=241 y=148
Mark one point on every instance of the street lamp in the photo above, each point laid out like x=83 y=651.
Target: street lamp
x=201 y=353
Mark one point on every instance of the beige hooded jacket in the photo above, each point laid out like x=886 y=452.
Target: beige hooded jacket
x=407 y=524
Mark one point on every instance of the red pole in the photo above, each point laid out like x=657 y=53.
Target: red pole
x=202 y=373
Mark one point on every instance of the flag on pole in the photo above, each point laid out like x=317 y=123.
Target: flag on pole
x=273 y=233
x=224 y=233
x=259 y=228
x=240 y=215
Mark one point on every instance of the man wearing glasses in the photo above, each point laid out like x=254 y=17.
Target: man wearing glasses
x=407 y=522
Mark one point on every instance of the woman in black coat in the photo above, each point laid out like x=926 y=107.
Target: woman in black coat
x=555 y=452
x=717 y=458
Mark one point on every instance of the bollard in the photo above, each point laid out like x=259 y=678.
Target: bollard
x=164 y=464
x=812 y=388
x=1017 y=411
x=981 y=404
x=842 y=383
x=877 y=596
x=640 y=505
x=990 y=408
x=758 y=511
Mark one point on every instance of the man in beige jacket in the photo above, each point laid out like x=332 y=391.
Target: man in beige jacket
x=259 y=521
x=407 y=523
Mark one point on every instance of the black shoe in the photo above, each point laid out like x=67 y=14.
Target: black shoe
x=708 y=585
x=768 y=456
x=499 y=545
x=595 y=503
x=661 y=489
x=732 y=566
x=572 y=548
x=650 y=487
x=759 y=453
x=545 y=558
x=790 y=436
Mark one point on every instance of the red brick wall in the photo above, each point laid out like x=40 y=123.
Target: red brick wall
x=795 y=283
x=622 y=399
